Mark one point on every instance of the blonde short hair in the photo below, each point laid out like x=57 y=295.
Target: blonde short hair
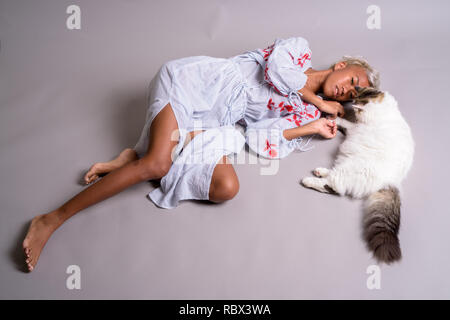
x=372 y=75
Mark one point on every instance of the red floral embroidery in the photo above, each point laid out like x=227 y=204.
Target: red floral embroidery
x=267 y=51
x=302 y=60
x=269 y=146
x=295 y=118
x=280 y=107
x=289 y=108
x=298 y=118
x=270 y=104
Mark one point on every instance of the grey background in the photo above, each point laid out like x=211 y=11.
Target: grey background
x=72 y=98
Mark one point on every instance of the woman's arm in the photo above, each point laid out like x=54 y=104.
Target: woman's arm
x=325 y=127
x=331 y=107
x=311 y=97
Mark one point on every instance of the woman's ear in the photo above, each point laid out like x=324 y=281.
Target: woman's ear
x=340 y=65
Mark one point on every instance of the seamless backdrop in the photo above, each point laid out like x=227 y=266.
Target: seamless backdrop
x=69 y=98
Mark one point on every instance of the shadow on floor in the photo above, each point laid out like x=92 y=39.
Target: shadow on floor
x=16 y=253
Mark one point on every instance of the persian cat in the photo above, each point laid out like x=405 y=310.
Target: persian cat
x=374 y=158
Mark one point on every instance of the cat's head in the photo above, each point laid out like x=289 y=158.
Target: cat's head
x=369 y=101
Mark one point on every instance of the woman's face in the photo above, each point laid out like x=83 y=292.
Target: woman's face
x=340 y=84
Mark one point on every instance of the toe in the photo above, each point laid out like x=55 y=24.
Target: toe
x=87 y=177
x=91 y=172
x=92 y=179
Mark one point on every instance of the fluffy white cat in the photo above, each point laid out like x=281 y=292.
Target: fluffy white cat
x=374 y=158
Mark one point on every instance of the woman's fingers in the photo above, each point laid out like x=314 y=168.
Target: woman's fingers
x=331 y=123
x=332 y=128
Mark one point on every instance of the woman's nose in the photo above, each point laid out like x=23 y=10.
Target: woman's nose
x=345 y=90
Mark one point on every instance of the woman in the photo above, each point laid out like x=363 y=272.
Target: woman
x=273 y=88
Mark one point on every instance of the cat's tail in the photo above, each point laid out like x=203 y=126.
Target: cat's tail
x=381 y=224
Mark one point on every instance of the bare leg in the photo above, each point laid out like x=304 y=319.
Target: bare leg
x=155 y=164
x=224 y=182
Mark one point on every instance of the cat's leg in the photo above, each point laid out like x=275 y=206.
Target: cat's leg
x=319 y=184
x=344 y=123
x=315 y=183
x=321 y=172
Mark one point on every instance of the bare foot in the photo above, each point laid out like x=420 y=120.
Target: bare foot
x=40 y=230
x=96 y=170
x=99 y=168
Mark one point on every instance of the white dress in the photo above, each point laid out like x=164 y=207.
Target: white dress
x=257 y=89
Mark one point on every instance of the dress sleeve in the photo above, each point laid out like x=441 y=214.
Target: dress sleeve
x=287 y=59
x=265 y=137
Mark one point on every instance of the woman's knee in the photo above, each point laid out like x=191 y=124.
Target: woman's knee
x=153 y=167
x=224 y=189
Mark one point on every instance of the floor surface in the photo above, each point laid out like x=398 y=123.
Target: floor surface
x=69 y=98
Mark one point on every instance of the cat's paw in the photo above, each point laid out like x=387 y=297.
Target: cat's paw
x=308 y=182
x=321 y=172
x=318 y=184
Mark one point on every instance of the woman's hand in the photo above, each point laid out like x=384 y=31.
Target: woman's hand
x=327 y=128
x=332 y=107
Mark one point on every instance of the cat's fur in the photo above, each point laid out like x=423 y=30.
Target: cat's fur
x=372 y=161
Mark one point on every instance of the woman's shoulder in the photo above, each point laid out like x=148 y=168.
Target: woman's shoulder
x=297 y=41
